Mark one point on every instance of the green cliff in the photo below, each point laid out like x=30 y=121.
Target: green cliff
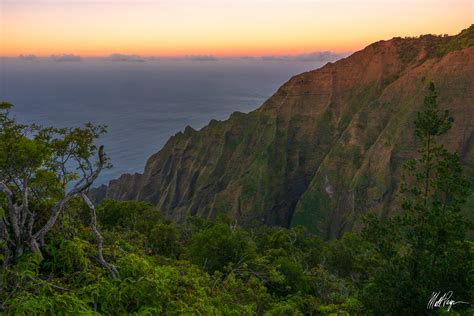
x=326 y=148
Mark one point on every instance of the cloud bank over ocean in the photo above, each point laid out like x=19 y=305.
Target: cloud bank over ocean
x=28 y=57
x=66 y=57
x=202 y=58
x=124 y=57
x=307 y=57
x=317 y=56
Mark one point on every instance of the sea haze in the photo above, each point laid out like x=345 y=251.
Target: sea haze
x=142 y=103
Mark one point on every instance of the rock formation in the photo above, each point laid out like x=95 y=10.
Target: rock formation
x=326 y=148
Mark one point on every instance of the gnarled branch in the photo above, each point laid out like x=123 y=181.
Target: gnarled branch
x=80 y=187
x=12 y=213
x=100 y=240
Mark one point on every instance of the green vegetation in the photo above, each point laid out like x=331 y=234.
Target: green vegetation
x=153 y=266
x=425 y=248
x=463 y=40
x=434 y=46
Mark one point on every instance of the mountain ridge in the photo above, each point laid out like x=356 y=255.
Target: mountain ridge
x=323 y=150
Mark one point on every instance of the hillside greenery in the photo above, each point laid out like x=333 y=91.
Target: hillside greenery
x=148 y=265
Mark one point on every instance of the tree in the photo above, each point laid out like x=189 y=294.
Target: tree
x=424 y=250
x=220 y=245
x=41 y=170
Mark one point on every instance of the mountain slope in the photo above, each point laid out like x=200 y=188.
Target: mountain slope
x=324 y=149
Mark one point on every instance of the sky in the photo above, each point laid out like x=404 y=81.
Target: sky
x=218 y=27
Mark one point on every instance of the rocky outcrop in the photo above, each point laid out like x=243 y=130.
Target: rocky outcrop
x=324 y=149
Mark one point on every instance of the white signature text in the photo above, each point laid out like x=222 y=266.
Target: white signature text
x=443 y=301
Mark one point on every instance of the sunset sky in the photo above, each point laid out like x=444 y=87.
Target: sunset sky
x=218 y=27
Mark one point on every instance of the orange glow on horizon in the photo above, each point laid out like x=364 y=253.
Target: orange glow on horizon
x=221 y=28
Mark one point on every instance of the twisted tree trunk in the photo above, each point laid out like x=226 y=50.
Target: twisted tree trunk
x=100 y=240
x=18 y=222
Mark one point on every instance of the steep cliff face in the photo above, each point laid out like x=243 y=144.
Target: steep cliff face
x=324 y=149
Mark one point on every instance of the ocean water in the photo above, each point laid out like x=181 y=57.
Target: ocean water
x=142 y=103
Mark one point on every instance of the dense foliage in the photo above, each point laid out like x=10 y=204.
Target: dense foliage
x=42 y=169
x=217 y=267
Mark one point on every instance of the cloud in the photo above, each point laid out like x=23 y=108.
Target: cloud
x=124 y=57
x=276 y=58
x=174 y=58
x=247 y=57
x=319 y=56
x=202 y=58
x=324 y=56
x=66 y=57
x=27 y=57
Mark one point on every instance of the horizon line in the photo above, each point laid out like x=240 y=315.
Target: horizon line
x=118 y=55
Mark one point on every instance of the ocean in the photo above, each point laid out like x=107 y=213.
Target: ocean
x=142 y=103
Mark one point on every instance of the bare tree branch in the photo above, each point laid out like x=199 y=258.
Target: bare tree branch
x=100 y=240
x=12 y=214
x=8 y=242
x=8 y=193
x=80 y=187
x=24 y=205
